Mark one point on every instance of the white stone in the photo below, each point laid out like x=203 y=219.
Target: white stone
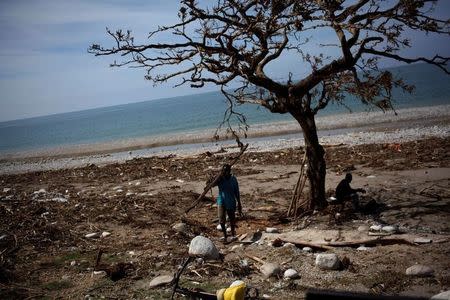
x=419 y=270
x=129 y=194
x=291 y=274
x=103 y=273
x=73 y=263
x=389 y=229
x=328 y=261
x=363 y=248
x=93 y=235
x=203 y=247
x=105 y=234
x=375 y=227
x=442 y=296
x=288 y=245
x=272 y=230
x=363 y=228
x=270 y=269
x=307 y=249
x=161 y=280
x=421 y=240
x=236 y=283
x=179 y=180
x=180 y=227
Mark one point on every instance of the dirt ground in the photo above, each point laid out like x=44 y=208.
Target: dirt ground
x=45 y=217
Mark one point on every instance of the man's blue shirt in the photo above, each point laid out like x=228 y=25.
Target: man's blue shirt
x=228 y=192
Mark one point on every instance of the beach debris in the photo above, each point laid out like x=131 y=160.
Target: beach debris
x=328 y=261
x=389 y=229
x=105 y=234
x=161 y=280
x=287 y=245
x=179 y=180
x=270 y=269
x=375 y=228
x=5 y=190
x=180 y=227
x=272 y=230
x=201 y=246
x=93 y=235
x=420 y=271
x=442 y=296
x=119 y=187
x=291 y=274
x=363 y=248
x=371 y=176
x=422 y=240
x=307 y=249
x=129 y=194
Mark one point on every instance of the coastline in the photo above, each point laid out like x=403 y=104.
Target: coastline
x=352 y=129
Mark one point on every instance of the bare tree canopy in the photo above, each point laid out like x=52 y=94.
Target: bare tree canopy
x=231 y=43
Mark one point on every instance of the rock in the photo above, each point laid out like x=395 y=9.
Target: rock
x=328 y=261
x=389 y=229
x=270 y=269
x=180 y=227
x=105 y=234
x=41 y=191
x=100 y=273
x=363 y=248
x=160 y=280
x=203 y=247
x=421 y=240
x=363 y=228
x=220 y=227
x=291 y=274
x=288 y=245
x=420 y=270
x=272 y=230
x=375 y=227
x=236 y=283
x=307 y=249
x=73 y=263
x=93 y=235
x=442 y=296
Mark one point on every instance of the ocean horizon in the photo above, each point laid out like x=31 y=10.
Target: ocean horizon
x=184 y=116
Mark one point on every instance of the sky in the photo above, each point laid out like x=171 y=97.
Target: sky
x=45 y=68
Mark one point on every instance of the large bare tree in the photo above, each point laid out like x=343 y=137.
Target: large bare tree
x=232 y=43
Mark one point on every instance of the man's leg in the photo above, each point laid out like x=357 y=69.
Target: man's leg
x=232 y=217
x=222 y=219
x=355 y=201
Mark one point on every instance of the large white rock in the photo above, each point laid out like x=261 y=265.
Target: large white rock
x=420 y=270
x=328 y=261
x=160 y=280
x=203 y=247
x=442 y=296
x=270 y=269
x=291 y=274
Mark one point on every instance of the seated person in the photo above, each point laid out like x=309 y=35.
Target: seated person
x=344 y=192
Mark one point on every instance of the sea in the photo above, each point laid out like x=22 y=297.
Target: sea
x=188 y=114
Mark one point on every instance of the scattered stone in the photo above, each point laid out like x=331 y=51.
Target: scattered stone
x=328 y=261
x=421 y=240
x=371 y=176
x=161 y=280
x=442 y=296
x=375 y=227
x=180 y=227
x=363 y=228
x=389 y=229
x=270 y=269
x=272 y=230
x=203 y=247
x=291 y=274
x=363 y=248
x=103 y=273
x=73 y=263
x=288 y=245
x=420 y=270
x=105 y=234
x=307 y=249
x=93 y=235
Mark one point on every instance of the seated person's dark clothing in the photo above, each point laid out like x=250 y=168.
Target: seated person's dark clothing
x=344 y=191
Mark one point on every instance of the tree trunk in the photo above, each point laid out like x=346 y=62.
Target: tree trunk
x=316 y=170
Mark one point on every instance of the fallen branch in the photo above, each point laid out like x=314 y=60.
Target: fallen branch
x=216 y=179
x=255 y=258
x=367 y=242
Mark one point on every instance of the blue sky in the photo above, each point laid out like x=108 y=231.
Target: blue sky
x=45 y=68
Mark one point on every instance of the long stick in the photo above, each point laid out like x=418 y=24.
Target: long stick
x=216 y=179
x=298 y=189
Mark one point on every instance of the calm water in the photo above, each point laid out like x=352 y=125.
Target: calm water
x=187 y=113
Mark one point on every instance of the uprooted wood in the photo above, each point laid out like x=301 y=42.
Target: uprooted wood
x=213 y=182
x=357 y=243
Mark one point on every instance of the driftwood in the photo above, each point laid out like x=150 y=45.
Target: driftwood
x=296 y=204
x=216 y=179
x=357 y=243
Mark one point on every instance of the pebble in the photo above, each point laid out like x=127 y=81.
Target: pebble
x=161 y=280
x=272 y=230
x=201 y=246
x=180 y=227
x=389 y=229
x=307 y=249
x=288 y=245
x=420 y=270
x=270 y=269
x=73 y=263
x=328 y=261
x=442 y=296
x=291 y=274
x=93 y=235
x=363 y=248
x=105 y=234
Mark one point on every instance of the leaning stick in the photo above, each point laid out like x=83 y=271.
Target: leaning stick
x=216 y=179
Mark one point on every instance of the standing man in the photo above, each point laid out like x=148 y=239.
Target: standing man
x=227 y=199
x=344 y=192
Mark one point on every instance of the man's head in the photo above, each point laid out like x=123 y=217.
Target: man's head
x=226 y=170
x=348 y=177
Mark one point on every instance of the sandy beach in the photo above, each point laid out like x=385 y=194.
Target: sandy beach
x=58 y=212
